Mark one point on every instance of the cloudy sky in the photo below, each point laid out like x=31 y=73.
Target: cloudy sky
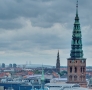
x=32 y=31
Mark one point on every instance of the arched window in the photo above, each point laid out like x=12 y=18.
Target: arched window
x=75 y=69
x=70 y=69
x=83 y=78
x=74 y=41
x=77 y=41
x=83 y=69
x=80 y=78
x=75 y=78
x=70 y=78
x=77 y=27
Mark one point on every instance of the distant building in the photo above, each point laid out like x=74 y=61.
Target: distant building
x=64 y=86
x=3 y=65
x=10 y=65
x=90 y=83
x=14 y=65
x=58 y=63
x=76 y=63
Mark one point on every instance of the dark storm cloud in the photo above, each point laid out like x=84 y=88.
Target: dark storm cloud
x=43 y=13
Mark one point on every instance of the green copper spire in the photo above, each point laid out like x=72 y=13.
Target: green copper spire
x=42 y=78
x=76 y=45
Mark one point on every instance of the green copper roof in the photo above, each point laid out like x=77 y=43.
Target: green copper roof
x=76 y=44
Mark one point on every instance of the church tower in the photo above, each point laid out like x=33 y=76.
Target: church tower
x=58 y=63
x=76 y=64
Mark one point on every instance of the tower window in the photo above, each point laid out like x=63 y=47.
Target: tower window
x=70 y=61
x=83 y=78
x=77 y=27
x=77 y=41
x=70 y=69
x=70 y=78
x=80 y=78
x=75 y=69
x=81 y=69
x=75 y=78
x=74 y=26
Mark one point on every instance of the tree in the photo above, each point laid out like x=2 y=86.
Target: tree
x=63 y=73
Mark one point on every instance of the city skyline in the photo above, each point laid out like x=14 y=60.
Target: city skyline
x=34 y=30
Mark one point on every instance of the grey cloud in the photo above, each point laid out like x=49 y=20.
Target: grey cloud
x=30 y=42
x=6 y=24
x=44 y=13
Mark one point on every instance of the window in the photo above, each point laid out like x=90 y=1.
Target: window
x=83 y=78
x=80 y=78
x=75 y=69
x=70 y=78
x=81 y=69
x=70 y=69
x=77 y=41
x=75 y=78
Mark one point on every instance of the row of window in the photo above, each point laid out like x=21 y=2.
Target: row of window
x=77 y=32
x=76 y=42
x=76 y=27
x=82 y=61
x=75 y=78
x=82 y=69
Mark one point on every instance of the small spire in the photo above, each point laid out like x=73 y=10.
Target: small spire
x=42 y=78
x=58 y=52
x=77 y=8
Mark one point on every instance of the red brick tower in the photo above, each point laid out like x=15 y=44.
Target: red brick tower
x=76 y=64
